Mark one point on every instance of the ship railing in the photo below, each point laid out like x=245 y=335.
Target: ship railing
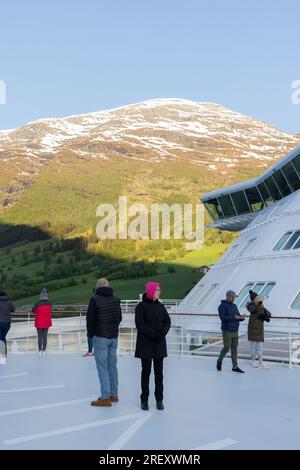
x=128 y=305
x=192 y=335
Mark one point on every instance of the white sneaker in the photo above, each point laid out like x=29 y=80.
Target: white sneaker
x=40 y=353
x=254 y=364
x=263 y=366
x=44 y=353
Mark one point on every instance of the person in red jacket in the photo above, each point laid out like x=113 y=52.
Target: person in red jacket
x=42 y=310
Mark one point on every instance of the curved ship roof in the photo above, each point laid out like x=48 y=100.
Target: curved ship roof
x=234 y=207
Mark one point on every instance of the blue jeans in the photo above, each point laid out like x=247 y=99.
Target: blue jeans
x=106 y=361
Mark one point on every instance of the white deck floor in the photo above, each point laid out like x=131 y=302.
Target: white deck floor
x=45 y=404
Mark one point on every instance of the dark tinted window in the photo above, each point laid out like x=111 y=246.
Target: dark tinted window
x=282 y=183
x=291 y=240
x=214 y=209
x=291 y=175
x=297 y=244
x=296 y=162
x=265 y=194
x=273 y=190
x=240 y=202
x=254 y=199
x=227 y=206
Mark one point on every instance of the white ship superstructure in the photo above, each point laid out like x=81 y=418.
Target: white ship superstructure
x=266 y=255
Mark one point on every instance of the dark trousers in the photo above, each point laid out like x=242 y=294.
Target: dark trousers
x=230 y=340
x=4 y=329
x=158 y=375
x=42 y=338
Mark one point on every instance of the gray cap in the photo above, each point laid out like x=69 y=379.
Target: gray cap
x=44 y=294
x=231 y=293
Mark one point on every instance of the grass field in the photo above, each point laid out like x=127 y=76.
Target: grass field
x=175 y=285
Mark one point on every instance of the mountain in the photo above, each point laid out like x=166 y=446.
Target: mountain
x=56 y=171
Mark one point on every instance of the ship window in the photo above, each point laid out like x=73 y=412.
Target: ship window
x=240 y=202
x=229 y=252
x=227 y=206
x=195 y=291
x=296 y=162
x=246 y=248
x=272 y=188
x=282 y=183
x=254 y=199
x=282 y=241
x=243 y=293
x=267 y=289
x=290 y=240
x=265 y=194
x=293 y=238
x=291 y=175
x=297 y=245
x=296 y=302
x=261 y=288
x=214 y=209
x=206 y=294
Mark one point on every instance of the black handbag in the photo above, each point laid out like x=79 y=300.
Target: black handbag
x=265 y=315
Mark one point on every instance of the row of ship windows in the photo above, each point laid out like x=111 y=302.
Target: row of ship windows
x=289 y=241
x=281 y=183
x=261 y=288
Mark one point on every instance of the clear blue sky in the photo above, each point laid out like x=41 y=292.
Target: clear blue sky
x=64 y=57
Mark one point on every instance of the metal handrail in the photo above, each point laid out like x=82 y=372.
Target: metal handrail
x=185 y=339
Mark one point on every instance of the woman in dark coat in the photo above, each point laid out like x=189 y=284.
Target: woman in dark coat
x=153 y=323
x=258 y=315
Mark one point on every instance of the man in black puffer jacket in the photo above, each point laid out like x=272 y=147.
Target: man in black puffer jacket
x=103 y=319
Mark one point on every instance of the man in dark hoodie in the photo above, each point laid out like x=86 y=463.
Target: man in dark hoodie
x=230 y=318
x=6 y=309
x=103 y=319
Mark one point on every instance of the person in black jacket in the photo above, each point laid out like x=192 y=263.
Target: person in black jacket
x=153 y=323
x=6 y=309
x=103 y=319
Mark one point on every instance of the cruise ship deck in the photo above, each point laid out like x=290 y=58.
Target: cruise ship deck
x=45 y=404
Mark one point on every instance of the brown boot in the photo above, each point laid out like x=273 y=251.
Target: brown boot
x=114 y=398
x=101 y=402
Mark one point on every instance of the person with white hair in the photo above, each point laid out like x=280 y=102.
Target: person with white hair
x=103 y=319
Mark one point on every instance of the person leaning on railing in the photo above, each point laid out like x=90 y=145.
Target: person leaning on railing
x=6 y=309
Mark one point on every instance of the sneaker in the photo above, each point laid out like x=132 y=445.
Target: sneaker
x=263 y=366
x=160 y=405
x=44 y=353
x=144 y=405
x=40 y=353
x=88 y=354
x=101 y=402
x=237 y=369
x=254 y=364
x=219 y=364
